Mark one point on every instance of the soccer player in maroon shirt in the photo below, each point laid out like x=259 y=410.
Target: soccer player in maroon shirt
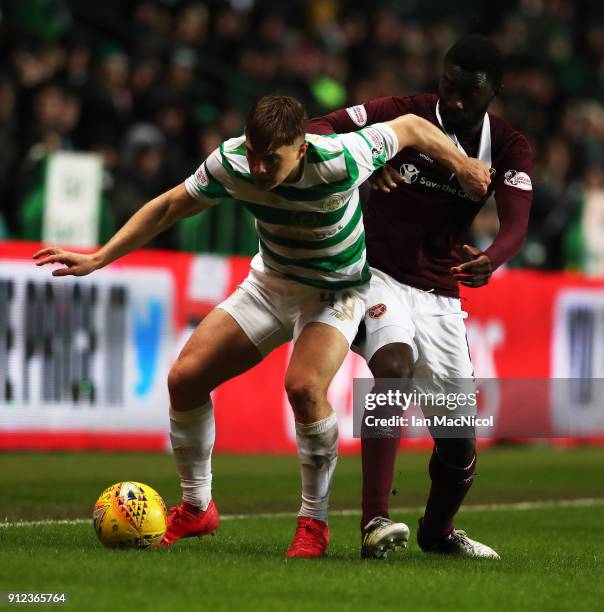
x=416 y=224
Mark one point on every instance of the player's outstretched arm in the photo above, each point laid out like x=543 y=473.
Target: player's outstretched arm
x=153 y=218
x=413 y=131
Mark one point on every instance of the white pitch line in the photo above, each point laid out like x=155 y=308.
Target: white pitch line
x=45 y=522
x=532 y=505
x=519 y=506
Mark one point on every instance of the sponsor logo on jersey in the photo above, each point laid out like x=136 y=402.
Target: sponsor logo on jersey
x=426 y=157
x=412 y=175
x=326 y=234
x=332 y=202
x=377 y=311
x=202 y=176
x=446 y=187
x=376 y=140
x=520 y=180
x=409 y=173
x=358 y=114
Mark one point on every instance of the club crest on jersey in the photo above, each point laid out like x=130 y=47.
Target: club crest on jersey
x=202 y=176
x=409 y=173
x=520 y=180
x=332 y=202
x=377 y=311
x=358 y=114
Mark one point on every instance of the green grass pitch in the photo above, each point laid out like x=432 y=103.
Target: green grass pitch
x=552 y=556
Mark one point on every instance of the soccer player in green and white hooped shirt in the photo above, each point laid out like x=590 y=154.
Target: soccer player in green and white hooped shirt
x=308 y=283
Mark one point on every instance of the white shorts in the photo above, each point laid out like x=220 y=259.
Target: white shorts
x=433 y=325
x=273 y=310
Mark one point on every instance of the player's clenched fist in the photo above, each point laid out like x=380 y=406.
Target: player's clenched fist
x=474 y=177
x=76 y=264
x=477 y=271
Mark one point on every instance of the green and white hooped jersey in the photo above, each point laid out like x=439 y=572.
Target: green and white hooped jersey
x=311 y=230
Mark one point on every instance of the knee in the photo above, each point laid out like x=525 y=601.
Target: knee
x=305 y=396
x=178 y=380
x=392 y=361
x=185 y=385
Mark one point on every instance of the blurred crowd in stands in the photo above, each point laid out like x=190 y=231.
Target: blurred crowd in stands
x=154 y=85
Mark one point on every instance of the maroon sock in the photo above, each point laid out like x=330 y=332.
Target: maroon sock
x=379 y=457
x=450 y=485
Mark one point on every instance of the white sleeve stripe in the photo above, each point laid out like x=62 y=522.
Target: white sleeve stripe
x=196 y=194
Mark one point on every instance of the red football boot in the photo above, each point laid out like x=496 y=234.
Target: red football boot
x=187 y=521
x=310 y=540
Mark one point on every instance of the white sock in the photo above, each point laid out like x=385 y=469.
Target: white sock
x=192 y=435
x=318 y=455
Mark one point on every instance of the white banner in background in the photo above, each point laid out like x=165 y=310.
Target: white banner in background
x=578 y=354
x=87 y=353
x=72 y=199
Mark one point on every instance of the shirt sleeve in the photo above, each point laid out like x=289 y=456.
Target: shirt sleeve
x=513 y=195
x=370 y=148
x=354 y=117
x=205 y=184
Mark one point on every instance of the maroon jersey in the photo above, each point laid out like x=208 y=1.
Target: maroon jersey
x=415 y=232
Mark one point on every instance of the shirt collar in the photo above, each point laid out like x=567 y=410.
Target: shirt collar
x=484 y=149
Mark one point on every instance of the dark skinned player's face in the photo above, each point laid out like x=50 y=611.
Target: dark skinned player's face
x=464 y=98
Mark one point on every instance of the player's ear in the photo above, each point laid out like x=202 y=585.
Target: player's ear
x=302 y=150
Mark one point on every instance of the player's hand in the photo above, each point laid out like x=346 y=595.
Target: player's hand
x=386 y=179
x=475 y=177
x=476 y=272
x=76 y=264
